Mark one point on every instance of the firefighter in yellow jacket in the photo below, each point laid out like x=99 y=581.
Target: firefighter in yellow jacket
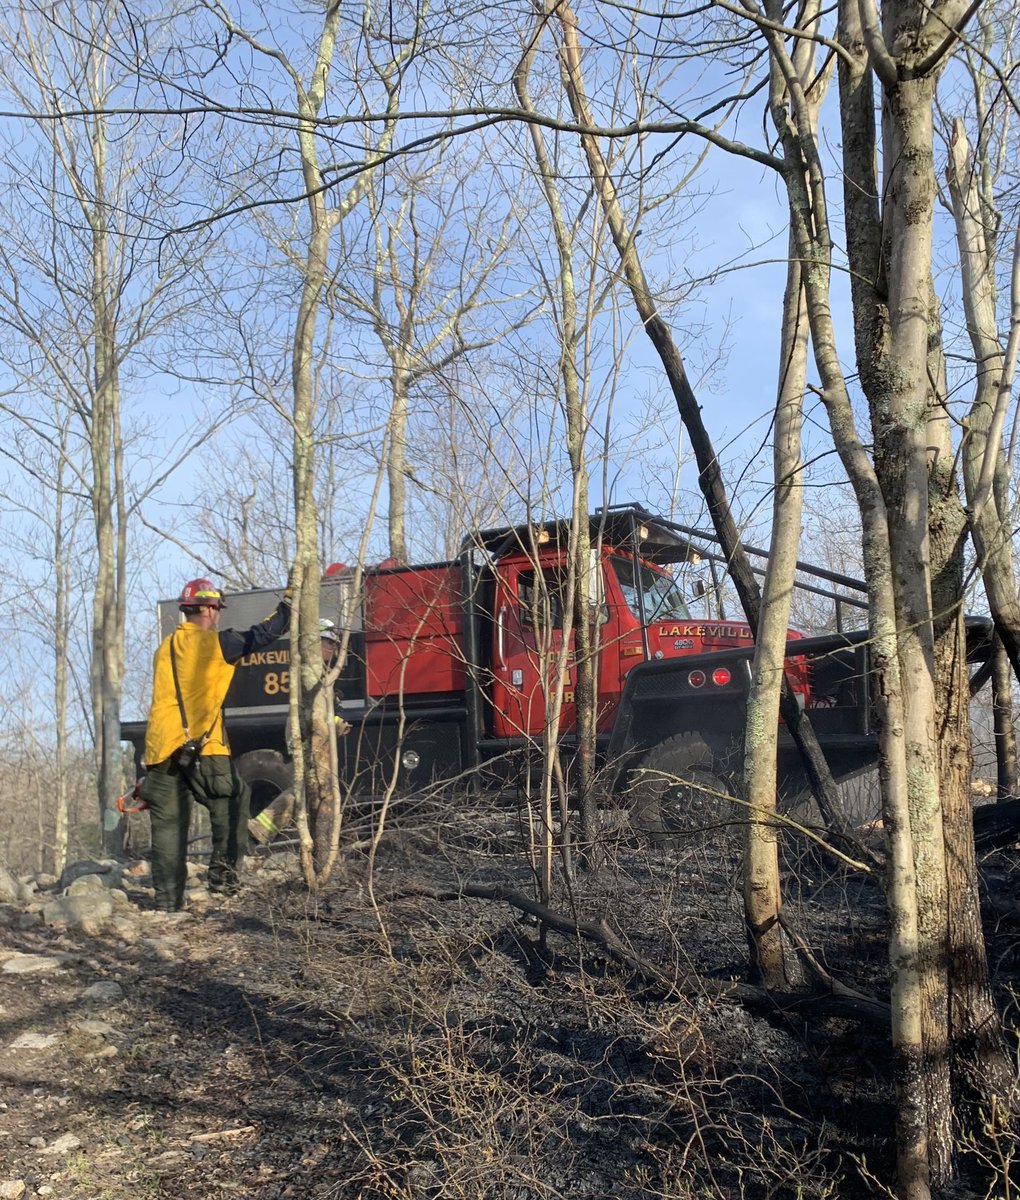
x=186 y=752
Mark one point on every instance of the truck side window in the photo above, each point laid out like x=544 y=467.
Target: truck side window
x=541 y=597
x=546 y=600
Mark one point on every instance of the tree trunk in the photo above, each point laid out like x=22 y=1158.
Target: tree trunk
x=316 y=793
x=984 y=462
x=316 y=798
x=1002 y=722
x=582 y=613
x=806 y=184
x=107 y=667
x=396 y=467
x=762 y=891
x=710 y=474
x=60 y=655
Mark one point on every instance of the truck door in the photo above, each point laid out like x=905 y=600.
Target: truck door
x=528 y=633
x=620 y=643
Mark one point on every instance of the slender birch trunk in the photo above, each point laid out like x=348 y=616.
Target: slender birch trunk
x=762 y=888
x=61 y=575
x=579 y=619
x=107 y=665
x=805 y=182
x=317 y=788
x=984 y=460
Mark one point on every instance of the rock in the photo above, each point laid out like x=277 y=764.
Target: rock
x=8 y=887
x=86 y=884
x=120 y=899
x=35 y=1041
x=160 y=951
x=12 y=1189
x=28 y=891
x=63 y=1144
x=105 y=991
x=123 y=926
x=31 y=964
x=87 y=912
x=94 y=1028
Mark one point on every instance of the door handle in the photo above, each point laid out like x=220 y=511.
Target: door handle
x=500 y=656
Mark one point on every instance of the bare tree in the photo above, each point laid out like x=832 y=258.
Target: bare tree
x=977 y=177
x=890 y=269
x=317 y=786
x=83 y=289
x=427 y=296
x=579 y=624
x=762 y=897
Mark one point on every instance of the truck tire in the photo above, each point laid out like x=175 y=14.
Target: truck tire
x=678 y=792
x=267 y=774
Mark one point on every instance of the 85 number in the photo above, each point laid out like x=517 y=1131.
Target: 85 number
x=276 y=683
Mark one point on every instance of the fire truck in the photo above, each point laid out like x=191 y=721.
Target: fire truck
x=452 y=664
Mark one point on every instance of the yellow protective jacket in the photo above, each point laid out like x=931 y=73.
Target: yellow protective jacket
x=205 y=668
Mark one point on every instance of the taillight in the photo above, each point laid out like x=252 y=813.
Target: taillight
x=721 y=676
x=696 y=679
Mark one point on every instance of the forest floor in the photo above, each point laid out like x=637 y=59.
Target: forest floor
x=375 y=1042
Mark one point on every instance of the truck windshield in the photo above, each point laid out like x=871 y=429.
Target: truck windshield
x=662 y=597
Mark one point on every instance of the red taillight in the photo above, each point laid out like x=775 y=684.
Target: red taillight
x=721 y=676
x=696 y=679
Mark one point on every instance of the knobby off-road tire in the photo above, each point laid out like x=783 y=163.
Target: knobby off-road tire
x=267 y=774
x=271 y=780
x=679 y=793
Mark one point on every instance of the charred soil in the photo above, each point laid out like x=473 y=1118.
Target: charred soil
x=377 y=1042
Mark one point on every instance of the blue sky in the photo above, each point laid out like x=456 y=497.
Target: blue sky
x=733 y=240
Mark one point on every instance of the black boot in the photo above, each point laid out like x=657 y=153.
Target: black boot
x=222 y=878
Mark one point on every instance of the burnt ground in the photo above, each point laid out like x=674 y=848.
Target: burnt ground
x=374 y=1044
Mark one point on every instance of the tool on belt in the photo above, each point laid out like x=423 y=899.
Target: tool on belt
x=133 y=801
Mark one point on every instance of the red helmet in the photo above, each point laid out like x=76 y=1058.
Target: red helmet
x=200 y=593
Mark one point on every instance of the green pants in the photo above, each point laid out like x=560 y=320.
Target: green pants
x=170 y=793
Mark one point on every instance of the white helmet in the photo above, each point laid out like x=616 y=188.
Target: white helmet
x=327 y=630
